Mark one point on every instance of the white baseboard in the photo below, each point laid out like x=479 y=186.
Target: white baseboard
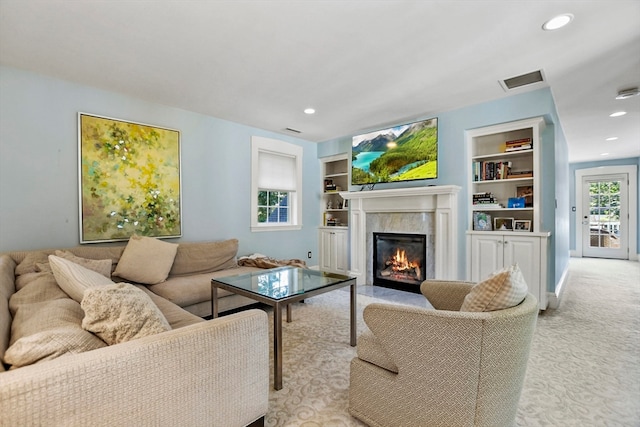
x=553 y=298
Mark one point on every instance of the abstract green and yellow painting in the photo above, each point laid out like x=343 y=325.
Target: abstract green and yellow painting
x=129 y=180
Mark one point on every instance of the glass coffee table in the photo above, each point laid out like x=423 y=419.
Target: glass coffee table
x=279 y=288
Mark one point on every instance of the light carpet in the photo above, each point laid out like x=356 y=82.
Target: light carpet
x=584 y=368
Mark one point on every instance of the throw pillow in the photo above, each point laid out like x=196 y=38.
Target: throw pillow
x=121 y=312
x=28 y=264
x=75 y=279
x=504 y=289
x=205 y=257
x=44 y=330
x=102 y=266
x=146 y=260
x=47 y=345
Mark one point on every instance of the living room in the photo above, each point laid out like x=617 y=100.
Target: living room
x=39 y=170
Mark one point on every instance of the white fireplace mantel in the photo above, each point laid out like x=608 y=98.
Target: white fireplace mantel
x=442 y=200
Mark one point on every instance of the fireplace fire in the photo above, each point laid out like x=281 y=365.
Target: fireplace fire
x=399 y=260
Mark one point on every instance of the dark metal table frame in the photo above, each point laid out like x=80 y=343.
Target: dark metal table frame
x=278 y=305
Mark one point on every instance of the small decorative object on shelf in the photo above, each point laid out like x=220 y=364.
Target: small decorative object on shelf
x=329 y=185
x=516 y=202
x=521 y=225
x=525 y=192
x=481 y=221
x=502 y=224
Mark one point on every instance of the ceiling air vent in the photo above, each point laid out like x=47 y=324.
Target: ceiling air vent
x=522 y=80
x=293 y=130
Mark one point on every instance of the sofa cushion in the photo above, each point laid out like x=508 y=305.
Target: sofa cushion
x=193 y=289
x=176 y=316
x=121 y=312
x=205 y=257
x=504 y=289
x=7 y=288
x=146 y=260
x=102 y=266
x=49 y=344
x=75 y=279
x=28 y=264
x=43 y=329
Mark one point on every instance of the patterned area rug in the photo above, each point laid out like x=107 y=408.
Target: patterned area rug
x=584 y=368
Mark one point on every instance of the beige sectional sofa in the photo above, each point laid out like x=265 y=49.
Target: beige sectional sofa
x=194 y=372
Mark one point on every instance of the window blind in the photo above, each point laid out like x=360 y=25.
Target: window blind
x=276 y=171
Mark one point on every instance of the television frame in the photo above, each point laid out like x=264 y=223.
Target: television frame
x=393 y=139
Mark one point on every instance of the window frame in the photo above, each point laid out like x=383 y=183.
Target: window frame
x=279 y=148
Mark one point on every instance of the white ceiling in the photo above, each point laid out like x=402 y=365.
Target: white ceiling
x=361 y=64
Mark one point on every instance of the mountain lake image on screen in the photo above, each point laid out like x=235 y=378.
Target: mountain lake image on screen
x=400 y=153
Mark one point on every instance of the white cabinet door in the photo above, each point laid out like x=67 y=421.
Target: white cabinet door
x=325 y=250
x=340 y=244
x=525 y=251
x=487 y=256
x=492 y=252
x=333 y=250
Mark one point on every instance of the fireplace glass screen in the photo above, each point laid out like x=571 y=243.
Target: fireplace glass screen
x=399 y=260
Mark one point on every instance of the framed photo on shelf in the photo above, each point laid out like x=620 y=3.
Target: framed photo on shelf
x=525 y=192
x=521 y=225
x=501 y=223
x=481 y=221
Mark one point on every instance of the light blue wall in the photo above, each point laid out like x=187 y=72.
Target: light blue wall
x=573 y=167
x=39 y=168
x=453 y=170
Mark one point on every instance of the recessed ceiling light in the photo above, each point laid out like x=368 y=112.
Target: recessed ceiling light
x=611 y=138
x=557 y=22
x=618 y=114
x=628 y=93
x=604 y=154
x=309 y=111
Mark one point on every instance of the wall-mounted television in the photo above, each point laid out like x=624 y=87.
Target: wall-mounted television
x=400 y=153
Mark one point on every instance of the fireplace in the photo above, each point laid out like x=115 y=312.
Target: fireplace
x=399 y=260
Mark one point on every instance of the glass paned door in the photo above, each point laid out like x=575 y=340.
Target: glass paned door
x=605 y=216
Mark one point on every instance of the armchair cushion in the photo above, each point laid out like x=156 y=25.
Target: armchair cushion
x=504 y=289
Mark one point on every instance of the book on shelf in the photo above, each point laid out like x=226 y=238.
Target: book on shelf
x=518 y=144
x=520 y=174
x=485 y=201
x=518 y=148
x=490 y=171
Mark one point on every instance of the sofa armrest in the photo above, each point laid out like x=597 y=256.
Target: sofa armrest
x=446 y=294
x=214 y=373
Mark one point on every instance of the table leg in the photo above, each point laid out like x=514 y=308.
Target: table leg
x=353 y=315
x=289 y=317
x=214 y=301
x=277 y=347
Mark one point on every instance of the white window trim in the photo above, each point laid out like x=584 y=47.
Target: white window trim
x=275 y=146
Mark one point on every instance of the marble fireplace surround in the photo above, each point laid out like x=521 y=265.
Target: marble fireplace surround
x=434 y=210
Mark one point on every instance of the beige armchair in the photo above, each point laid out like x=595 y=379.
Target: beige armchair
x=422 y=367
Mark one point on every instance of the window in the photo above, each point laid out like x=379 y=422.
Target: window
x=276 y=185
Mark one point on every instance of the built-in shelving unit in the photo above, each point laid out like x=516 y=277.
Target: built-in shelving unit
x=505 y=222
x=334 y=229
x=335 y=178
